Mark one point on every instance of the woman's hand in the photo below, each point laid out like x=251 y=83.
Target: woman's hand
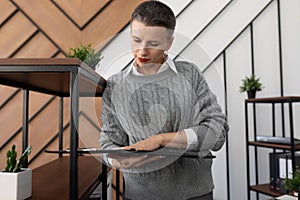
x=128 y=162
x=149 y=144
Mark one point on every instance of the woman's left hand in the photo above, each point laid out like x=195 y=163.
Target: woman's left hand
x=149 y=144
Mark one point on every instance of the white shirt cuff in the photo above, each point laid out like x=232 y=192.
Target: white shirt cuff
x=109 y=160
x=191 y=138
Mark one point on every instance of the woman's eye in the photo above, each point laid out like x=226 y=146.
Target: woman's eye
x=136 y=40
x=154 y=44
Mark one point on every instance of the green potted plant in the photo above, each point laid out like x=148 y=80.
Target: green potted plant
x=16 y=181
x=86 y=54
x=251 y=85
x=293 y=184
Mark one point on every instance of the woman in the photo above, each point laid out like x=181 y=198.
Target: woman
x=158 y=103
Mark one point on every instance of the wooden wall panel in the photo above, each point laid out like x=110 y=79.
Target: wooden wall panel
x=5 y=92
x=10 y=118
x=98 y=107
x=114 y=16
x=39 y=101
x=14 y=33
x=43 y=128
x=48 y=157
x=6 y=9
x=81 y=11
x=60 y=55
x=91 y=7
x=44 y=29
x=11 y=115
x=38 y=47
x=73 y=10
x=51 y=21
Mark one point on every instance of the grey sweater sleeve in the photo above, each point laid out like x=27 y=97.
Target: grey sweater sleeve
x=112 y=135
x=209 y=123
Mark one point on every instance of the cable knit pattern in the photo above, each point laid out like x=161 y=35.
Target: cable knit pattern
x=136 y=107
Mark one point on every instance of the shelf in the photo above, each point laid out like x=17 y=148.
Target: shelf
x=285 y=144
x=264 y=189
x=64 y=77
x=284 y=99
x=51 y=181
x=272 y=145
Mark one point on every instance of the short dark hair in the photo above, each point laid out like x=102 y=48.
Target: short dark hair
x=154 y=13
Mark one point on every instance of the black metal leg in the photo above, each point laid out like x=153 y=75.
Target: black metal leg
x=117 y=184
x=61 y=125
x=247 y=151
x=292 y=135
x=255 y=148
x=74 y=101
x=25 y=124
x=273 y=120
x=104 y=181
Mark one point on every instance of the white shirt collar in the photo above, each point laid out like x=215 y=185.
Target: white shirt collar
x=168 y=63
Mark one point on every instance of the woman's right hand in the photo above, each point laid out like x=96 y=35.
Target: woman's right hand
x=129 y=162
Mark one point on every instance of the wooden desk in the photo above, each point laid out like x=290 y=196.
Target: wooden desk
x=64 y=77
x=51 y=76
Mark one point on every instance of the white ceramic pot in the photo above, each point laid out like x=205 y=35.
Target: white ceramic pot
x=295 y=194
x=16 y=186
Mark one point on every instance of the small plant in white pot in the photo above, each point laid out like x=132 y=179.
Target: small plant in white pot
x=15 y=181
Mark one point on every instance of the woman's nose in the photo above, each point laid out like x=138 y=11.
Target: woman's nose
x=143 y=51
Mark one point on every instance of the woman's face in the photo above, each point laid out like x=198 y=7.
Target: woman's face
x=148 y=43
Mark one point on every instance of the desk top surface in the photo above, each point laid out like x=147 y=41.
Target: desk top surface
x=39 y=61
x=50 y=75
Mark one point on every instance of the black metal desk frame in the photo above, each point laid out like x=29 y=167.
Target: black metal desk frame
x=76 y=69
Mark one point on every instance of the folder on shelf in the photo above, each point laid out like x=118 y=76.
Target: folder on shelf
x=273 y=171
x=276 y=183
x=280 y=169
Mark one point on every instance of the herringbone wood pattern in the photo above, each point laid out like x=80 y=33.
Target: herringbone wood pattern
x=44 y=29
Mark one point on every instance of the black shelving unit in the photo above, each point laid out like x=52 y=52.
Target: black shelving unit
x=263 y=188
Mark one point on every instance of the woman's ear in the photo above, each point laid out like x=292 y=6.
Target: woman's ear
x=170 y=42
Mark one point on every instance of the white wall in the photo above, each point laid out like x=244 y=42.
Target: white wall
x=213 y=41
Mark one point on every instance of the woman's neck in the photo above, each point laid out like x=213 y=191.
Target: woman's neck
x=149 y=69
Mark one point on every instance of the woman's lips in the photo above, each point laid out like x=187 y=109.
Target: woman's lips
x=143 y=60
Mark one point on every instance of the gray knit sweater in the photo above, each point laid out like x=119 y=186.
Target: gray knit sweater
x=136 y=107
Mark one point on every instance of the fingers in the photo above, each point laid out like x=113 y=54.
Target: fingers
x=128 y=148
x=125 y=162
x=130 y=162
x=116 y=163
x=149 y=144
x=148 y=159
x=135 y=162
x=139 y=160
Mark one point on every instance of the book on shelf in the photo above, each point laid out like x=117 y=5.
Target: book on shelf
x=280 y=169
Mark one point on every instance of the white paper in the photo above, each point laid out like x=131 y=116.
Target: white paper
x=282 y=168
